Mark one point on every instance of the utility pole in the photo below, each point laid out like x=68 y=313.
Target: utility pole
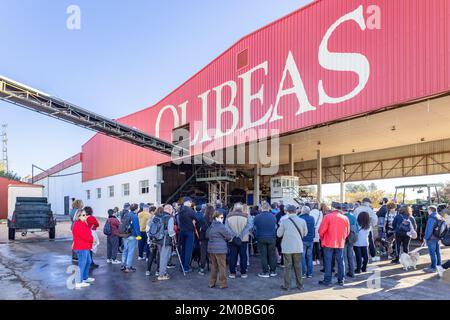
x=5 y=147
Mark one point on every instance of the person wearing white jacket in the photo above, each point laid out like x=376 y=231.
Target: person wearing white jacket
x=318 y=217
x=367 y=207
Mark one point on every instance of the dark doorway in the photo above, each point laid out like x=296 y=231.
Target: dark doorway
x=66 y=205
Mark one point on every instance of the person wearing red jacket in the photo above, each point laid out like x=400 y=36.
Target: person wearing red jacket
x=82 y=245
x=333 y=231
x=93 y=224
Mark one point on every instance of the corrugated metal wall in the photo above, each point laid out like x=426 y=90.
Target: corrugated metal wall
x=409 y=58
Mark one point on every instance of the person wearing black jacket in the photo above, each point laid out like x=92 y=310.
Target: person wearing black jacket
x=403 y=238
x=187 y=221
x=203 y=225
x=381 y=214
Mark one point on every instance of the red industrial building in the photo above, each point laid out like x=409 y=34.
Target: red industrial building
x=356 y=90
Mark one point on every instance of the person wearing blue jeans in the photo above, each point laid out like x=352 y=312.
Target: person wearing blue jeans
x=129 y=247
x=433 y=241
x=435 y=253
x=349 y=253
x=129 y=244
x=307 y=259
x=349 y=258
x=333 y=232
x=328 y=256
x=84 y=262
x=308 y=242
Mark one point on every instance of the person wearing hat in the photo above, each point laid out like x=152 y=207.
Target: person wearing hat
x=431 y=240
x=126 y=209
x=308 y=241
x=187 y=221
x=366 y=206
x=292 y=231
x=333 y=232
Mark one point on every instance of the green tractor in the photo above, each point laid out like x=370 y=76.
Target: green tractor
x=427 y=194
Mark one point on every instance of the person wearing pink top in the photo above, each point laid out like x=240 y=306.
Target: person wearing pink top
x=333 y=231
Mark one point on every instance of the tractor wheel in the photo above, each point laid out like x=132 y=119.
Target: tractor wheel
x=11 y=234
x=51 y=233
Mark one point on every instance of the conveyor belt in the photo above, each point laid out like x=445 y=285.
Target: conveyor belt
x=35 y=100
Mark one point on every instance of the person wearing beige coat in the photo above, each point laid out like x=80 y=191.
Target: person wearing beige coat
x=238 y=223
x=292 y=230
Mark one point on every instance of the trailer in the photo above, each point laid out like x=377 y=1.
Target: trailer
x=28 y=211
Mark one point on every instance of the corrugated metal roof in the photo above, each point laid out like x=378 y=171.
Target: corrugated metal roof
x=59 y=167
x=409 y=59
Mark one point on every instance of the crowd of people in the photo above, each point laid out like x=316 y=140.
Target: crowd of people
x=214 y=238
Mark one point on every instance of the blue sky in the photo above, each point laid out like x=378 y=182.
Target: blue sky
x=127 y=56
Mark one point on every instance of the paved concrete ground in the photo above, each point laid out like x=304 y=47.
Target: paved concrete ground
x=35 y=268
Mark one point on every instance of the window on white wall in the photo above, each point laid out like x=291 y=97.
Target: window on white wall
x=144 y=187
x=99 y=193
x=88 y=194
x=126 y=189
x=111 y=191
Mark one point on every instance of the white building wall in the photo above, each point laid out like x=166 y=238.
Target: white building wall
x=101 y=205
x=66 y=183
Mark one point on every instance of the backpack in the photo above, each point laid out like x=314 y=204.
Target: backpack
x=440 y=228
x=125 y=226
x=353 y=236
x=202 y=226
x=107 y=231
x=446 y=238
x=157 y=229
x=404 y=227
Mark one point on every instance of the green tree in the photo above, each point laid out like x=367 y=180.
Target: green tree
x=444 y=192
x=9 y=175
x=373 y=187
x=354 y=188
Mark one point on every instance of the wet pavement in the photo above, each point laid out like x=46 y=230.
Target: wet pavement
x=36 y=268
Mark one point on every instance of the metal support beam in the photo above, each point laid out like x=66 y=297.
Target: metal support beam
x=256 y=200
x=291 y=160
x=319 y=176
x=342 y=180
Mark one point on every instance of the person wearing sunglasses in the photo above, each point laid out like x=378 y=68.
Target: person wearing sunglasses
x=82 y=245
x=218 y=236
